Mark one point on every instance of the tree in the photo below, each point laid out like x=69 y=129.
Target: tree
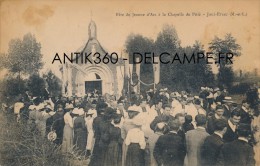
x=167 y=41
x=54 y=83
x=12 y=88
x=226 y=45
x=24 y=56
x=139 y=44
x=191 y=76
x=225 y=77
x=36 y=85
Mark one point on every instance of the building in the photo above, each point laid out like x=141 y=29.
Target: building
x=82 y=78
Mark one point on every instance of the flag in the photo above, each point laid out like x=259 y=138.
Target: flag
x=156 y=70
x=138 y=74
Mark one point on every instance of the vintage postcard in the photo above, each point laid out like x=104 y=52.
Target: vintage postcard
x=129 y=83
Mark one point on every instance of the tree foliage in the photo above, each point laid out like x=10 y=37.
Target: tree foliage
x=139 y=44
x=226 y=76
x=54 y=83
x=190 y=76
x=226 y=45
x=36 y=85
x=10 y=88
x=175 y=76
x=24 y=56
x=167 y=41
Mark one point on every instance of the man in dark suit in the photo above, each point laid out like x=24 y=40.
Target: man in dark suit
x=227 y=102
x=238 y=152
x=212 y=120
x=169 y=149
x=233 y=122
x=181 y=119
x=211 y=147
x=245 y=114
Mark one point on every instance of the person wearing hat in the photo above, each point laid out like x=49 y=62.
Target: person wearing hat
x=169 y=148
x=49 y=121
x=91 y=114
x=101 y=140
x=208 y=102
x=227 y=102
x=194 y=140
x=233 y=122
x=238 y=152
x=100 y=124
x=67 y=141
x=58 y=124
x=113 y=155
x=80 y=131
x=41 y=118
x=128 y=124
x=246 y=115
x=164 y=96
x=135 y=142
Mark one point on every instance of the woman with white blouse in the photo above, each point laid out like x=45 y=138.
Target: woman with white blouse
x=135 y=141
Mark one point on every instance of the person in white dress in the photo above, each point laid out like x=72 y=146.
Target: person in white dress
x=67 y=142
x=89 y=118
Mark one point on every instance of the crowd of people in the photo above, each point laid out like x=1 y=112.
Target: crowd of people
x=157 y=128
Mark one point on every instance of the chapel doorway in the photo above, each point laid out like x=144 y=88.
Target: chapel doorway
x=93 y=84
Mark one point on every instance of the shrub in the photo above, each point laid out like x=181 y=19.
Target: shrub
x=21 y=145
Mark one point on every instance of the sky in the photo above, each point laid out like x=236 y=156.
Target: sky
x=61 y=26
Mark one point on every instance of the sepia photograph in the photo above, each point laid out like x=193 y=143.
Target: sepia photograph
x=129 y=83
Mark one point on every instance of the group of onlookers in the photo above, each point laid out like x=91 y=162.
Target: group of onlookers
x=156 y=128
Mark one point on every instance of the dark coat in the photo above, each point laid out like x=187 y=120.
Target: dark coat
x=159 y=119
x=100 y=126
x=58 y=125
x=113 y=156
x=211 y=124
x=80 y=134
x=245 y=117
x=236 y=153
x=187 y=127
x=169 y=150
x=227 y=111
x=230 y=135
x=210 y=150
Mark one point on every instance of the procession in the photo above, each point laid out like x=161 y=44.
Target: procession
x=155 y=128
